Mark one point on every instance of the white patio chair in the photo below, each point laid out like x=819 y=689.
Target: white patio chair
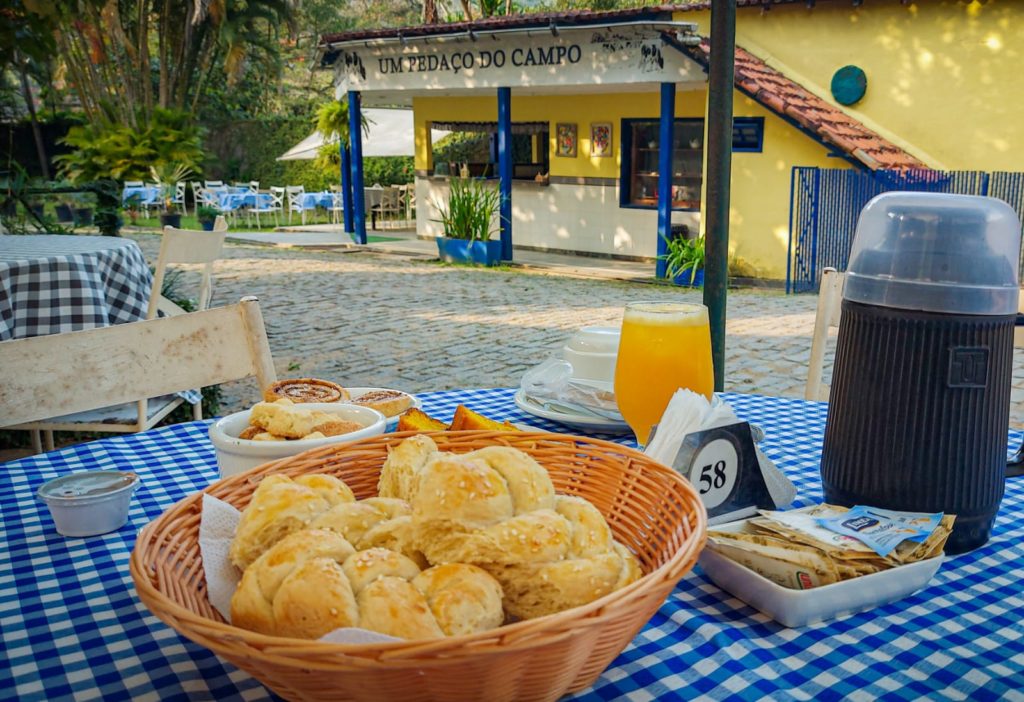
x=390 y=206
x=176 y=246
x=197 y=194
x=337 y=208
x=213 y=184
x=179 y=196
x=253 y=185
x=90 y=371
x=295 y=193
x=830 y=299
x=275 y=207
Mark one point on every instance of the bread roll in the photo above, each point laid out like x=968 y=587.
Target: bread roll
x=403 y=462
x=390 y=403
x=281 y=506
x=313 y=582
x=496 y=508
x=306 y=390
x=464 y=599
x=377 y=522
x=285 y=419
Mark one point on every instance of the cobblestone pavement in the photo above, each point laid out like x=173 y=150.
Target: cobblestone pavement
x=364 y=319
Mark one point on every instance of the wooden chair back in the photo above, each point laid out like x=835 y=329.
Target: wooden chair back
x=830 y=299
x=49 y=376
x=188 y=246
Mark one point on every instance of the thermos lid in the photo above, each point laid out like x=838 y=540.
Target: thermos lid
x=937 y=253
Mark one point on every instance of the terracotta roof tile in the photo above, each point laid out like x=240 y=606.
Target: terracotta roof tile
x=569 y=17
x=825 y=121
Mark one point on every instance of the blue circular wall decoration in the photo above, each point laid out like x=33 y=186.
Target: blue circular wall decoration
x=849 y=85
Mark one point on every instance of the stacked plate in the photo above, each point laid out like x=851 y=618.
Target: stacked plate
x=592 y=352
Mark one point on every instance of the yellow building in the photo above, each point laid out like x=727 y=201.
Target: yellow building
x=869 y=85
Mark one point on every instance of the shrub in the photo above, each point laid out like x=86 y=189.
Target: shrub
x=120 y=152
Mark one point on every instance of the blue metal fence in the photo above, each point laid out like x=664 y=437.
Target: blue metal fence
x=825 y=204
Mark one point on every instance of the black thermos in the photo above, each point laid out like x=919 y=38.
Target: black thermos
x=920 y=400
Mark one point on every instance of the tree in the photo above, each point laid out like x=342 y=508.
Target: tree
x=125 y=58
x=26 y=43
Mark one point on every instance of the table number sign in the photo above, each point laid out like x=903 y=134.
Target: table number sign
x=723 y=466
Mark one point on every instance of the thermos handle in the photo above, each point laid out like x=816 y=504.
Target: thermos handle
x=1015 y=466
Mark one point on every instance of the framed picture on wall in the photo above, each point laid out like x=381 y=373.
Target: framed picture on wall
x=601 y=139
x=566 y=137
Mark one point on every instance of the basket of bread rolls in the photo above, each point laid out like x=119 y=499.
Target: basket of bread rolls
x=486 y=564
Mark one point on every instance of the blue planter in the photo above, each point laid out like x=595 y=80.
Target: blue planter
x=485 y=253
x=684 y=279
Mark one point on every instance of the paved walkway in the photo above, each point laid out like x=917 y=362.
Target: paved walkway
x=372 y=318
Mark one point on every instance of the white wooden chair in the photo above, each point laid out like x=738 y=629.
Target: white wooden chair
x=337 y=208
x=74 y=372
x=295 y=196
x=176 y=246
x=275 y=206
x=830 y=299
x=179 y=196
x=390 y=206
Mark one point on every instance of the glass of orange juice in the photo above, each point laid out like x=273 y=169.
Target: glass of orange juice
x=664 y=346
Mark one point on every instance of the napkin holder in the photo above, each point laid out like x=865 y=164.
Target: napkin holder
x=705 y=442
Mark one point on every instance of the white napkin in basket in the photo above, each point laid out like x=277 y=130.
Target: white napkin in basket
x=217 y=527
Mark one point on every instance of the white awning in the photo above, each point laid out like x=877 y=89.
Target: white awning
x=391 y=134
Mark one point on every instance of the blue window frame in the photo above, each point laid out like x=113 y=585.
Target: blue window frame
x=639 y=163
x=748 y=134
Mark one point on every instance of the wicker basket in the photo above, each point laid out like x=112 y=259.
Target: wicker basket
x=650 y=508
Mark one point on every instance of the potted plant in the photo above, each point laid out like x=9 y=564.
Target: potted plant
x=167 y=175
x=207 y=216
x=65 y=214
x=685 y=261
x=82 y=213
x=468 y=223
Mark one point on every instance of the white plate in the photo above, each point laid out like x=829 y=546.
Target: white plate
x=392 y=421
x=795 y=608
x=579 y=421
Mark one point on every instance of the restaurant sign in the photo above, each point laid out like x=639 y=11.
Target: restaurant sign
x=573 y=57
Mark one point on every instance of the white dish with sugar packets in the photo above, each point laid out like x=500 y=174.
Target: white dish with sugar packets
x=796 y=608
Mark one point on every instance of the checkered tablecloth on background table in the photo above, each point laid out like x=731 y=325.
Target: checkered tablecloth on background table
x=72 y=625
x=53 y=283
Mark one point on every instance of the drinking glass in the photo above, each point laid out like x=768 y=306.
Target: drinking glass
x=664 y=346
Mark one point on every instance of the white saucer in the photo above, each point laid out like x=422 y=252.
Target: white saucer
x=392 y=421
x=580 y=421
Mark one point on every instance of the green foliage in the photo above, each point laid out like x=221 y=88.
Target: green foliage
x=388 y=170
x=684 y=255
x=205 y=214
x=120 y=152
x=459 y=147
x=470 y=210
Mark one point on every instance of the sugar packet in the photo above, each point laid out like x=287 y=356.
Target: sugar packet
x=882 y=529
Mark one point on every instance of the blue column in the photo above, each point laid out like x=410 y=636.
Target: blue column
x=346 y=186
x=505 y=169
x=355 y=135
x=665 y=145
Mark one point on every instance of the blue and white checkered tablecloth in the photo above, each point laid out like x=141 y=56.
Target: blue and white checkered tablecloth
x=51 y=283
x=73 y=627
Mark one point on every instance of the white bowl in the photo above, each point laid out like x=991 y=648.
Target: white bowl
x=90 y=503
x=591 y=366
x=598 y=340
x=235 y=455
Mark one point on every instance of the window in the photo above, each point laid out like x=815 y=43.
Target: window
x=640 y=154
x=474 y=145
x=747 y=133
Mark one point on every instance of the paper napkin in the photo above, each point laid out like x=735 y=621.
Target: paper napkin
x=217 y=528
x=688 y=412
